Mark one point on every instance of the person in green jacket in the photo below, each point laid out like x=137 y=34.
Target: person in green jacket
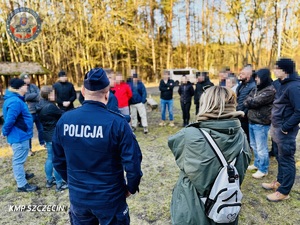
x=198 y=164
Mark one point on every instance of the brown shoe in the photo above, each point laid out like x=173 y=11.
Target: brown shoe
x=271 y=186
x=277 y=197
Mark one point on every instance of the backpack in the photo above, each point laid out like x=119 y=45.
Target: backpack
x=223 y=203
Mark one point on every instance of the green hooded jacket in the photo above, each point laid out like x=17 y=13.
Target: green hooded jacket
x=199 y=166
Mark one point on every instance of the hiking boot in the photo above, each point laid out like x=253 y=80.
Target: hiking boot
x=133 y=129
x=258 y=174
x=50 y=183
x=162 y=123
x=62 y=186
x=277 y=197
x=271 y=186
x=252 y=167
x=27 y=188
x=171 y=124
x=29 y=176
x=145 y=130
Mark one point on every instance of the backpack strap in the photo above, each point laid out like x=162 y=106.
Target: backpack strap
x=215 y=148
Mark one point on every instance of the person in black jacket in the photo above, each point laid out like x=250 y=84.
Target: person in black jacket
x=203 y=81
x=186 y=92
x=285 y=126
x=49 y=114
x=245 y=87
x=259 y=103
x=166 y=86
x=65 y=92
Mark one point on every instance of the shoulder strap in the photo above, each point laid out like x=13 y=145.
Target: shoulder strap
x=215 y=147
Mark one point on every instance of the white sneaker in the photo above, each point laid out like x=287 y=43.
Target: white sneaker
x=258 y=174
x=252 y=167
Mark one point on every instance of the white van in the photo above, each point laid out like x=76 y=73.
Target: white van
x=176 y=74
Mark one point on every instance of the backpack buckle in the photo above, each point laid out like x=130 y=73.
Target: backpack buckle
x=231 y=174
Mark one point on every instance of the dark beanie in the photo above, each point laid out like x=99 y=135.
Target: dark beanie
x=61 y=73
x=287 y=65
x=96 y=79
x=16 y=83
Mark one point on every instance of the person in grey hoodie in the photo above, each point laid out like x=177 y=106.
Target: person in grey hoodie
x=32 y=98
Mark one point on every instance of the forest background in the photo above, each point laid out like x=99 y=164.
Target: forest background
x=152 y=35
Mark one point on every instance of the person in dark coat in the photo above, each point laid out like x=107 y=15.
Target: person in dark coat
x=203 y=81
x=92 y=150
x=186 y=92
x=285 y=126
x=246 y=85
x=166 y=87
x=259 y=103
x=49 y=114
x=65 y=92
x=32 y=98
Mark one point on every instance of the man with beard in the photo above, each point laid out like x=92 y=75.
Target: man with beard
x=242 y=91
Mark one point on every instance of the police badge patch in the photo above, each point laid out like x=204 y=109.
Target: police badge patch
x=23 y=25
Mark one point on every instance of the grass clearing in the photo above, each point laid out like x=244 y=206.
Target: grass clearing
x=151 y=205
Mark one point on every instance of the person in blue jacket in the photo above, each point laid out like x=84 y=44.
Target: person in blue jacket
x=137 y=103
x=18 y=128
x=92 y=148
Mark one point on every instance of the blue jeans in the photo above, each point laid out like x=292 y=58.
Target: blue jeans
x=20 y=151
x=86 y=216
x=49 y=170
x=39 y=128
x=258 y=134
x=163 y=106
x=284 y=149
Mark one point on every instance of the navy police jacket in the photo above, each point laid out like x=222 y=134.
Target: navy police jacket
x=92 y=147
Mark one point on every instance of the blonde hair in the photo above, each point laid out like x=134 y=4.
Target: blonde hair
x=215 y=99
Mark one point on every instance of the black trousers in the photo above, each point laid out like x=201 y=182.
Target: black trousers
x=185 y=107
x=197 y=108
x=245 y=126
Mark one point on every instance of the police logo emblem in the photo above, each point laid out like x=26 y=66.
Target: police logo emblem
x=23 y=25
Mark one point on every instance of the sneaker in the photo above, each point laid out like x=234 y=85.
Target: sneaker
x=62 y=186
x=27 y=188
x=145 y=130
x=258 y=174
x=29 y=176
x=271 y=186
x=162 y=123
x=277 y=197
x=31 y=153
x=50 y=183
x=171 y=124
x=252 y=167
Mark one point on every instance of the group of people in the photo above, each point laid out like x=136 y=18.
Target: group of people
x=186 y=91
x=93 y=151
x=235 y=116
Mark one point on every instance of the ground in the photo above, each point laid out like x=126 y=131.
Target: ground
x=152 y=204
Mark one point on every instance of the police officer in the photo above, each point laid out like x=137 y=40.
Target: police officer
x=92 y=147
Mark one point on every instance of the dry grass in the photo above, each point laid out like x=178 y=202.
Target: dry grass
x=151 y=205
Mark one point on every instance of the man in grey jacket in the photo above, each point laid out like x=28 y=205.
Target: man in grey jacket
x=32 y=98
